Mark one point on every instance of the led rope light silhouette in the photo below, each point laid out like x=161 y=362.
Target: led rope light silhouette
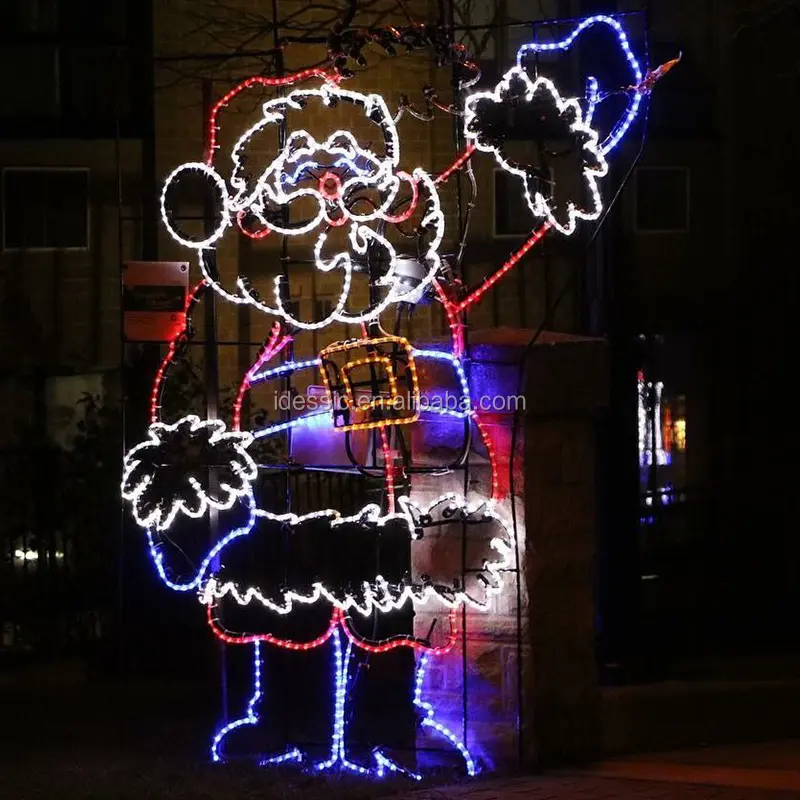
x=332 y=175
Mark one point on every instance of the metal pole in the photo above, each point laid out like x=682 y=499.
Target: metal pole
x=288 y=352
x=457 y=142
x=211 y=372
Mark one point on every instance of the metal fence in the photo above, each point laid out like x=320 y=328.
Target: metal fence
x=56 y=570
x=71 y=566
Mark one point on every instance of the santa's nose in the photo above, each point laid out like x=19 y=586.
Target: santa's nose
x=330 y=186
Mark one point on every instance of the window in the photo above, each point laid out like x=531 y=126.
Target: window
x=29 y=16
x=94 y=84
x=662 y=417
x=662 y=199
x=37 y=95
x=512 y=217
x=45 y=209
x=67 y=61
x=654 y=446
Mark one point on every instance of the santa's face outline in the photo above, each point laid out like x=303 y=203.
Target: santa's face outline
x=335 y=198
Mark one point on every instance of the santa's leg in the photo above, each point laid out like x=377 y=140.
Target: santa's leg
x=341 y=668
x=252 y=718
x=381 y=764
x=428 y=717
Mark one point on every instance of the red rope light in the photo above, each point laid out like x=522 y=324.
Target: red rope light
x=457 y=164
x=269 y=351
x=191 y=299
x=487 y=441
x=258 y=80
x=403 y=641
x=512 y=262
x=404 y=215
x=256 y=235
x=287 y=644
x=456 y=326
x=338 y=617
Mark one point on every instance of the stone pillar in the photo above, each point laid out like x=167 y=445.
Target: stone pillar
x=567 y=386
x=475 y=690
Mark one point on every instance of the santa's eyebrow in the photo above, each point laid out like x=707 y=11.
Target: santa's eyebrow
x=340 y=162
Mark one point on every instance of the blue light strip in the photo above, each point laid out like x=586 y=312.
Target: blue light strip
x=445 y=412
x=292 y=179
x=456 y=362
x=592 y=98
x=290 y=366
x=290 y=755
x=340 y=162
x=338 y=753
x=251 y=717
x=428 y=720
x=383 y=764
x=339 y=700
x=292 y=423
x=635 y=100
x=158 y=557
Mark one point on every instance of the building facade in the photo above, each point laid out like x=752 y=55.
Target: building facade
x=98 y=108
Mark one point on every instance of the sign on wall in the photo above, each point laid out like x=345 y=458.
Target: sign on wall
x=154 y=299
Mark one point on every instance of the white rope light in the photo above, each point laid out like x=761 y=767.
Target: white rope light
x=276 y=187
x=594 y=166
x=380 y=595
x=160 y=512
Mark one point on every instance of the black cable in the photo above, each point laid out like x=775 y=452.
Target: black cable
x=468 y=215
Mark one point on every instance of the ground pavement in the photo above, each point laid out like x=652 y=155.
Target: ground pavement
x=769 y=771
x=55 y=745
x=591 y=787
x=84 y=772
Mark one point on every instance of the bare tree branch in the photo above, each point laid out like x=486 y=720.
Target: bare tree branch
x=228 y=42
